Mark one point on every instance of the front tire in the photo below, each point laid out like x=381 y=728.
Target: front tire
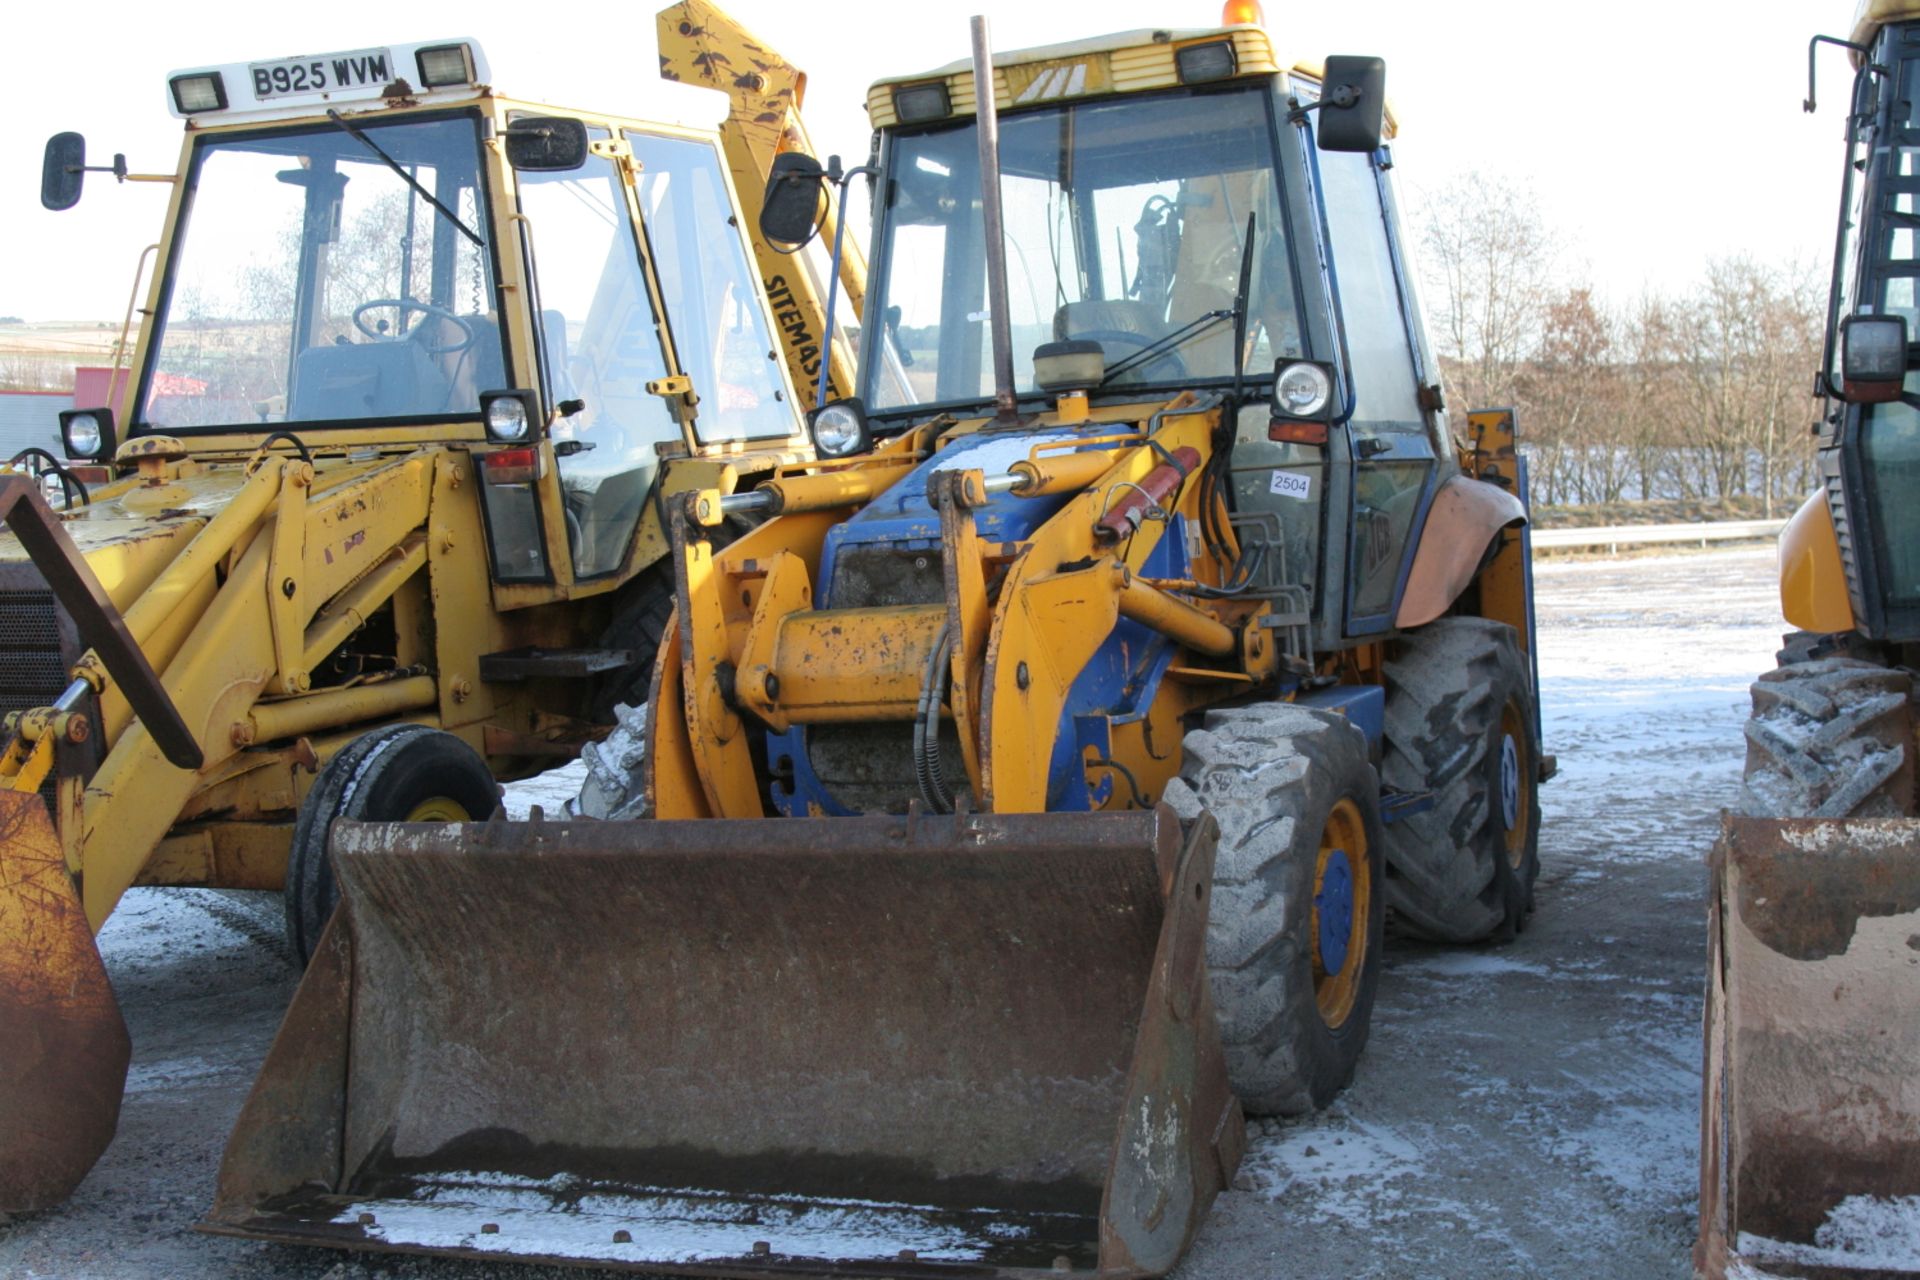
x=397 y=773
x=1295 y=935
x=1459 y=724
x=1830 y=738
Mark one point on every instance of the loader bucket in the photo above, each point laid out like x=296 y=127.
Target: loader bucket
x=1810 y=1125
x=823 y=1047
x=63 y=1044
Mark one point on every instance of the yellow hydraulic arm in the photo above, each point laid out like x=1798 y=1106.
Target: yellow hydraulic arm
x=701 y=45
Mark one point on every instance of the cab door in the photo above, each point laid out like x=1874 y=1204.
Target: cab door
x=1394 y=433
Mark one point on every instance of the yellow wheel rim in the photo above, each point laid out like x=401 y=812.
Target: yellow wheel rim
x=1342 y=906
x=1515 y=798
x=438 y=809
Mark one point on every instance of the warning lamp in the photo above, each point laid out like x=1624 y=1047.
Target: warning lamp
x=1243 y=13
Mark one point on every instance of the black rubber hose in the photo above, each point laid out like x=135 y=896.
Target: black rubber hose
x=926 y=728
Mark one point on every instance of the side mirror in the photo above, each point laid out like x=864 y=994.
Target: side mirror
x=1353 y=104
x=546 y=144
x=63 y=170
x=1873 y=358
x=796 y=189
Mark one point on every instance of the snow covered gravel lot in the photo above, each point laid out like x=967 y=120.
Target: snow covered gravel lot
x=1522 y=1111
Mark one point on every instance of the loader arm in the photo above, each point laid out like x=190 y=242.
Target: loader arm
x=220 y=641
x=243 y=642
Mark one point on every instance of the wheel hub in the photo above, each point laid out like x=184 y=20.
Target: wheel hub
x=1333 y=912
x=1509 y=781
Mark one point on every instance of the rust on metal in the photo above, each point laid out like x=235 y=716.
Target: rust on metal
x=1812 y=1058
x=63 y=1044
x=988 y=1040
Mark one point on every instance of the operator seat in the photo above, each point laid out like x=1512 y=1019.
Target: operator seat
x=366 y=380
x=1095 y=315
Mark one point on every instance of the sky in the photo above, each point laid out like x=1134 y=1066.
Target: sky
x=1655 y=134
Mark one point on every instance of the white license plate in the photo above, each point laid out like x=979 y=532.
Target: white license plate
x=324 y=72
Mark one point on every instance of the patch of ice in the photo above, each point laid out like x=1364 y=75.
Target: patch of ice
x=1468 y=964
x=1341 y=1166
x=165 y=921
x=1861 y=1232
x=550 y=790
x=143 y=1077
x=1649 y=1151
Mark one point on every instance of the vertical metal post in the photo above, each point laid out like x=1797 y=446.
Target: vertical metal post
x=987 y=110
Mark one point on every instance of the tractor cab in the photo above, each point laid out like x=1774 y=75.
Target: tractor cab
x=1188 y=214
x=1850 y=557
x=371 y=252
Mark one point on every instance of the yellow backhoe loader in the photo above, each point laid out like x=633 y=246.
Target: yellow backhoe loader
x=1021 y=800
x=1810 y=1126
x=422 y=372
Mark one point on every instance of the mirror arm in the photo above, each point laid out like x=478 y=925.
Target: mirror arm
x=843 y=179
x=1339 y=95
x=1808 y=104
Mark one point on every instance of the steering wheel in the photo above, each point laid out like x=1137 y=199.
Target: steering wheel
x=1139 y=342
x=404 y=305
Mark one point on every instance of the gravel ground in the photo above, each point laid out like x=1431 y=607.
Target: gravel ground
x=1528 y=1110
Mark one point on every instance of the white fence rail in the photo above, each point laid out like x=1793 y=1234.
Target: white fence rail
x=1613 y=537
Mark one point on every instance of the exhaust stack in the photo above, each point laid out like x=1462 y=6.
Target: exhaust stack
x=988 y=115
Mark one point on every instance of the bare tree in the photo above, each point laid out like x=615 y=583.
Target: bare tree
x=1488 y=259
x=1743 y=344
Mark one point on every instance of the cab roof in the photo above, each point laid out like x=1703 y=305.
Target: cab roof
x=1123 y=62
x=1874 y=14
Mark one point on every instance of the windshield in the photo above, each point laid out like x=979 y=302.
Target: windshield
x=1126 y=221
x=312 y=283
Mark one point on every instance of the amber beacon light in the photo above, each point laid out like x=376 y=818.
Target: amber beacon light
x=1242 y=13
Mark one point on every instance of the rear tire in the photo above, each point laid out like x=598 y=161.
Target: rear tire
x=1295 y=934
x=1830 y=738
x=398 y=773
x=642 y=609
x=1459 y=723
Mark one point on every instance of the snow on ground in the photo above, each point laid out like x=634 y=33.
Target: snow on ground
x=1534 y=1109
x=1860 y=1231
x=550 y=790
x=1529 y=1110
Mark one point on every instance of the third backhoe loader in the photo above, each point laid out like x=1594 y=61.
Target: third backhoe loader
x=1021 y=801
x=1810 y=1133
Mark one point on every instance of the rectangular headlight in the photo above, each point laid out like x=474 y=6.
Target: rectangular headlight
x=916 y=102
x=509 y=415
x=1200 y=63
x=444 y=64
x=87 y=433
x=203 y=91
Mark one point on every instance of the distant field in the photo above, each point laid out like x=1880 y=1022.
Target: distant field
x=41 y=357
x=87 y=338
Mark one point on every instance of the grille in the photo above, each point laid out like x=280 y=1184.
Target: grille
x=31 y=672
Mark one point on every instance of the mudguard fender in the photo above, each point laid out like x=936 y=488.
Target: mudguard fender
x=1465 y=516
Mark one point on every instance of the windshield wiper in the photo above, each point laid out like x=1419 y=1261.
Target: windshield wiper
x=405 y=177
x=1191 y=329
